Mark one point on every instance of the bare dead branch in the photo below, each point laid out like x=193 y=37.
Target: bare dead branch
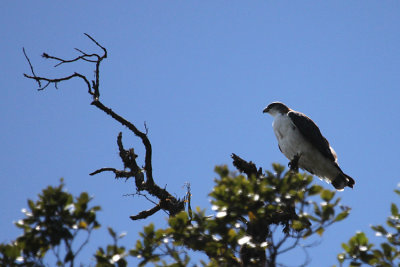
x=146 y=213
x=145 y=128
x=30 y=65
x=167 y=202
x=146 y=197
x=118 y=174
x=128 y=156
x=99 y=45
x=148 y=157
x=96 y=84
x=57 y=80
x=84 y=57
x=93 y=89
x=249 y=168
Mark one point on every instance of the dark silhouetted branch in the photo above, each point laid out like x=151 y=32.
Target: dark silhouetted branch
x=138 y=133
x=93 y=89
x=30 y=65
x=57 y=80
x=144 y=180
x=146 y=213
x=118 y=174
x=249 y=168
x=187 y=199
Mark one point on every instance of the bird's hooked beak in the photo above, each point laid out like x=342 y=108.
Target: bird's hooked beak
x=266 y=110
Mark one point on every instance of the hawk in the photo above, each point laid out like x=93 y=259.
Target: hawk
x=301 y=141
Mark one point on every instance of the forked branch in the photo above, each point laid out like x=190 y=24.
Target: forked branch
x=144 y=180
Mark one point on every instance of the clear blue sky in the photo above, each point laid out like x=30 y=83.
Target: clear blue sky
x=199 y=73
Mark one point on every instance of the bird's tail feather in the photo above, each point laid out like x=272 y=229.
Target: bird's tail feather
x=343 y=180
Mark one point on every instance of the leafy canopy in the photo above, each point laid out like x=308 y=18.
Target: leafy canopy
x=359 y=250
x=255 y=219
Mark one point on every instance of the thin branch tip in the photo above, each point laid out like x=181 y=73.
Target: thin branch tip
x=98 y=44
x=143 y=176
x=33 y=72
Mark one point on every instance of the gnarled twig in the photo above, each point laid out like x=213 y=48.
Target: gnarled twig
x=167 y=202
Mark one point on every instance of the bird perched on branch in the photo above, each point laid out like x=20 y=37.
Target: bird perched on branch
x=301 y=141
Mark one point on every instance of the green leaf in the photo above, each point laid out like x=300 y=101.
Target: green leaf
x=148 y=230
x=111 y=232
x=320 y=231
x=84 y=197
x=297 y=225
x=317 y=210
x=380 y=229
x=361 y=238
x=341 y=216
x=315 y=189
x=96 y=208
x=232 y=234
x=394 y=210
x=309 y=216
x=327 y=212
x=278 y=168
x=31 y=204
x=327 y=195
x=378 y=254
x=346 y=247
x=387 y=250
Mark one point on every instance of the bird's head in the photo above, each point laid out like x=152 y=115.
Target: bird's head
x=276 y=108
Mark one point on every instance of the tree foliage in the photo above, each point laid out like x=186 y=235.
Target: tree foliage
x=54 y=224
x=359 y=250
x=51 y=222
x=256 y=219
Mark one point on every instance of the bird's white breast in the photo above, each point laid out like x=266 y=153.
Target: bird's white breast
x=292 y=143
x=290 y=140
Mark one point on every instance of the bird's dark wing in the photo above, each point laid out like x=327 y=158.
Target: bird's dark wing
x=311 y=133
